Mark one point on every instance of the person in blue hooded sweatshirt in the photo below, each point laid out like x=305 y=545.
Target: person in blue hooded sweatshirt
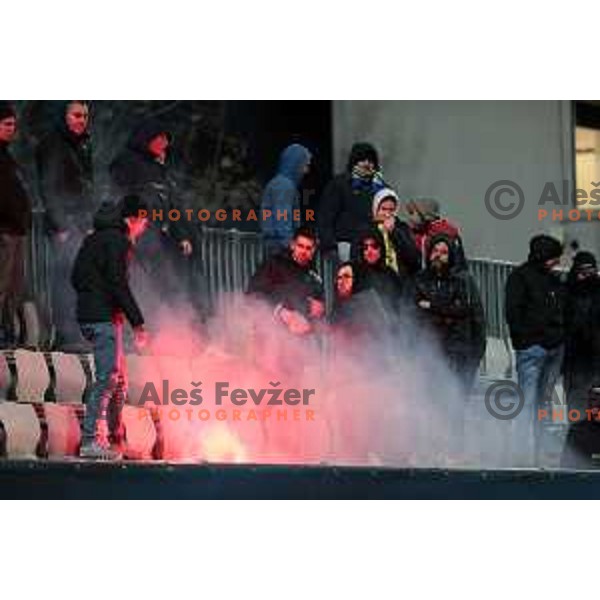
x=281 y=196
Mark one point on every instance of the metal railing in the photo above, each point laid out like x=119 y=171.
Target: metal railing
x=225 y=259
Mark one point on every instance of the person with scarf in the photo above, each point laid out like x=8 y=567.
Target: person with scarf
x=401 y=253
x=346 y=204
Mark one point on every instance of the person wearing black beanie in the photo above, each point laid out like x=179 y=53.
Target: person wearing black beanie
x=15 y=223
x=582 y=329
x=104 y=299
x=535 y=300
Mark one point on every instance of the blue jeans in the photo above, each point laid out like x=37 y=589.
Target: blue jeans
x=106 y=398
x=538 y=370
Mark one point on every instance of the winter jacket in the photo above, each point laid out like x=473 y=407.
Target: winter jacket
x=346 y=204
x=535 y=306
x=390 y=287
x=281 y=194
x=456 y=312
x=65 y=179
x=582 y=334
x=15 y=204
x=282 y=282
x=136 y=171
x=100 y=272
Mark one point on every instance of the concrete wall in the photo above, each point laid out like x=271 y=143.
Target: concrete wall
x=454 y=151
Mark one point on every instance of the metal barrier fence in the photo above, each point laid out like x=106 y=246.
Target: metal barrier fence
x=223 y=262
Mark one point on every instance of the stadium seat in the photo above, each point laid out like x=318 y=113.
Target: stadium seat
x=22 y=429
x=63 y=430
x=33 y=378
x=70 y=378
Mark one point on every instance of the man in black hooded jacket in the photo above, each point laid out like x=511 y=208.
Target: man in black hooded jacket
x=145 y=168
x=535 y=299
x=104 y=299
x=346 y=205
x=65 y=183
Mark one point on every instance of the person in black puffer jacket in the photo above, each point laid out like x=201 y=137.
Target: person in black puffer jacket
x=582 y=331
x=535 y=297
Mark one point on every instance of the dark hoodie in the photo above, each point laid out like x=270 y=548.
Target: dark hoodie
x=65 y=176
x=535 y=298
x=346 y=204
x=456 y=312
x=379 y=277
x=281 y=194
x=136 y=171
x=100 y=271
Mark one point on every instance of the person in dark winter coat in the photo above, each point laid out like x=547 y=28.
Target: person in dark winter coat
x=160 y=273
x=65 y=183
x=372 y=273
x=281 y=197
x=360 y=317
x=345 y=208
x=535 y=298
x=401 y=253
x=15 y=223
x=143 y=169
x=582 y=445
x=582 y=331
x=449 y=303
x=288 y=283
x=104 y=299
x=65 y=172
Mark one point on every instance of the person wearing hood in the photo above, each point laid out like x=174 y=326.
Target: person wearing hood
x=15 y=223
x=281 y=197
x=449 y=302
x=582 y=331
x=401 y=253
x=535 y=298
x=345 y=209
x=372 y=272
x=144 y=168
x=426 y=221
x=65 y=183
x=104 y=300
